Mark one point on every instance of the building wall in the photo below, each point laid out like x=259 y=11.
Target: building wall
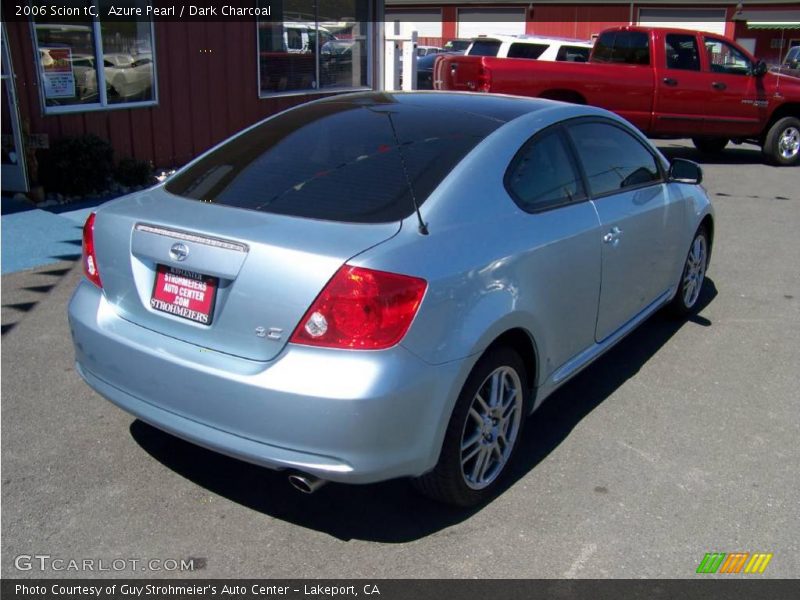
x=207 y=90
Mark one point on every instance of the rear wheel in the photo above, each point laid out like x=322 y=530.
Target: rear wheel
x=710 y=145
x=693 y=276
x=482 y=433
x=782 y=143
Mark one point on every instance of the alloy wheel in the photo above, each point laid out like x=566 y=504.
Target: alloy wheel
x=789 y=143
x=695 y=271
x=491 y=427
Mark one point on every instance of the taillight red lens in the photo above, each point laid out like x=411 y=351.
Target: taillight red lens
x=484 y=80
x=89 y=256
x=361 y=309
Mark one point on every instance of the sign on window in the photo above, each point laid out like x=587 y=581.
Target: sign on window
x=59 y=81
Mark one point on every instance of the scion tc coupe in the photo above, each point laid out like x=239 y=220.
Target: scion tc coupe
x=375 y=286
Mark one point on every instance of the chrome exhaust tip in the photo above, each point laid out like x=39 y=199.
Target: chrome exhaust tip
x=307 y=484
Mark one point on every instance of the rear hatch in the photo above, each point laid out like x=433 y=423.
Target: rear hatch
x=233 y=250
x=267 y=268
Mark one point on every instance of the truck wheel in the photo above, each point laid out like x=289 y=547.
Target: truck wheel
x=710 y=145
x=782 y=144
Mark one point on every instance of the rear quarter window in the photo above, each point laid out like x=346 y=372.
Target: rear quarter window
x=484 y=48
x=573 y=54
x=523 y=50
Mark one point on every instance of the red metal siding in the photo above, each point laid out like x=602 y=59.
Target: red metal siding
x=576 y=21
x=207 y=90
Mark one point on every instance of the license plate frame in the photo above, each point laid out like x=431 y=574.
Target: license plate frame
x=187 y=297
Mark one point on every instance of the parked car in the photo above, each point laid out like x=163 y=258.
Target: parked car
x=127 y=77
x=426 y=50
x=425 y=70
x=336 y=61
x=531 y=46
x=377 y=285
x=667 y=82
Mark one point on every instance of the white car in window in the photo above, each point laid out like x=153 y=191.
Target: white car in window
x=532 y=47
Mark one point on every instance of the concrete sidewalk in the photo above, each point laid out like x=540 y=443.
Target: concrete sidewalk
x=33 y=237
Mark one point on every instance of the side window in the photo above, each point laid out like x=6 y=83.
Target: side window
x=526 y=50
x=484 y=48
x=612 y=158
x=542 y=174
x=625 y=47
x=724 y=58
x=573 y=54
x=682 y=52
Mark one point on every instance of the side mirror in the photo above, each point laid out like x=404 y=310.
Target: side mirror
x=685 y=171
x=760 y=68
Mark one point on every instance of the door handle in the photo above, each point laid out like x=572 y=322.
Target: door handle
x=613 y=235
x=670 y=81
x=718 y=85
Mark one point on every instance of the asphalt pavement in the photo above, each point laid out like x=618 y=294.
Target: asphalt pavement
x=682 y=440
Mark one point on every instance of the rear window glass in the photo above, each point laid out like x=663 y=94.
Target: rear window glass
x=523 y=50
x=484 y=48
x=337 y=161
x=627 y=47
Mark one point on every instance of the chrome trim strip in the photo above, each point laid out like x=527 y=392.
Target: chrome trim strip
x=192 y=237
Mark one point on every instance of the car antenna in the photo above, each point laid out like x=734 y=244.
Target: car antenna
x=423 y=228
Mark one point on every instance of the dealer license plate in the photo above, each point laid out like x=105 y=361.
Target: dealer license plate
x=185 y=294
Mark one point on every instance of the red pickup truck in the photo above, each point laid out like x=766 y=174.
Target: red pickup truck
x=667 y=82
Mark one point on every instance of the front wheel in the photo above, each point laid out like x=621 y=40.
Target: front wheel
x=693 y=276
x=710 y=145
x=782 y=143
x=482 y=433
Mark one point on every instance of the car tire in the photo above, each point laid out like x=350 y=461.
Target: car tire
x=782 y=143
x=710 y=145
x=483 y=431
x=690 y=286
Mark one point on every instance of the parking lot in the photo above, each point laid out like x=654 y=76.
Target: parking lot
x=680 y=441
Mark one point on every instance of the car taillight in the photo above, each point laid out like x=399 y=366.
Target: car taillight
x=484 y=80
x=361 y=309
x=89 y=256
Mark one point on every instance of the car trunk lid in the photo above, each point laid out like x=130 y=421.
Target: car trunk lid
x=267 y=268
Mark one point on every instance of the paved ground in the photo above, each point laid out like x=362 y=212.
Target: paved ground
x=681 y=441
x=34 y=237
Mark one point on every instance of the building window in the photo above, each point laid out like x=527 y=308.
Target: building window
x=71 y=54
x=308 y=46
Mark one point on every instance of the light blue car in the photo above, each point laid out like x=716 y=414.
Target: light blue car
x=375 y=286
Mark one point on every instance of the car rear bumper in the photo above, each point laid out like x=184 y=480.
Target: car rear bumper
x=348 y=416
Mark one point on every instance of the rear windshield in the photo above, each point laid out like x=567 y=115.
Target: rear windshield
x=484 y=48
x=628 y=47
x=336 y=161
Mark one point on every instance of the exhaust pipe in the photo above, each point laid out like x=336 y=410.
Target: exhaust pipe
x=307 y=484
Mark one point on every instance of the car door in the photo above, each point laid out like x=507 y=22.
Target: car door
x=560 y=234
x=736 y=102
x=639 y=224
x=681 y=86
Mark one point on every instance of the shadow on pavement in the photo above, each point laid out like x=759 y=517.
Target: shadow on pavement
x=392 y=512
